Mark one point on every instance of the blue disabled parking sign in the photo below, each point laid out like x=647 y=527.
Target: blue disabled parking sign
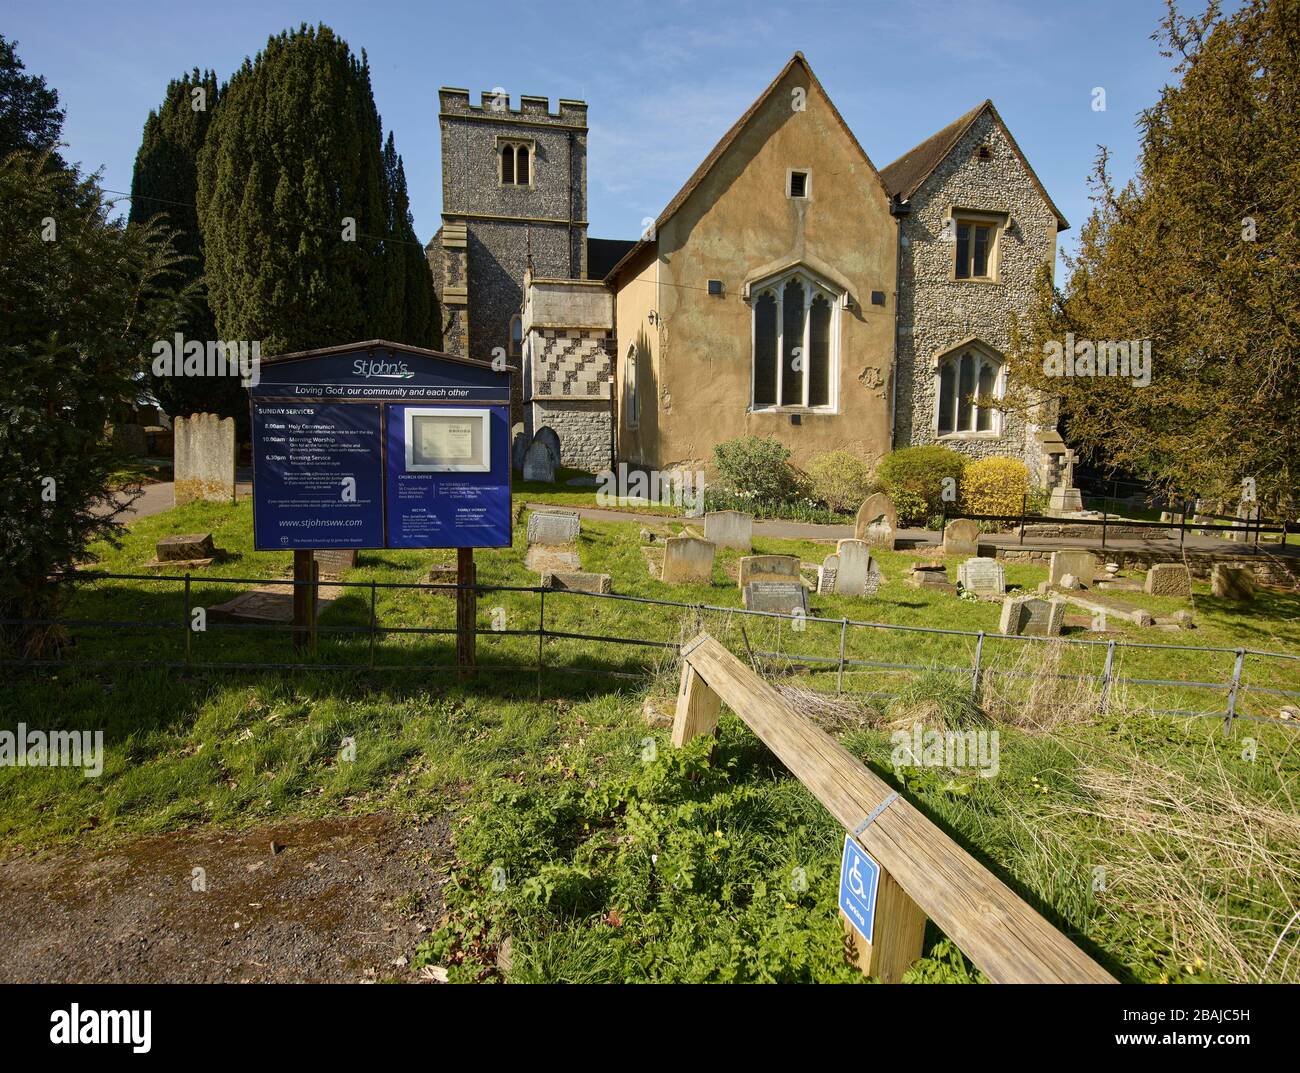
x=859 y=878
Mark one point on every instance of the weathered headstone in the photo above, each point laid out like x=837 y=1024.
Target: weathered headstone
x=730 y=529
x=334 y=562
x=768 y=568
x=518 y=451
x=1168 y=579
x=961 y=537
x=1031 y=616
x=1232 y=582
x=577 y=581
x=826 y=573
x=877 y=521
x=1064 y=501
x=857 y=573
x=984 y=577
x=185 y=547
x=551 y=438
x=687 y=560
x=204 y=458
x=930 y=575
x=784 y=597
x=539 y=463
x=1082 y=564
x=553 y=526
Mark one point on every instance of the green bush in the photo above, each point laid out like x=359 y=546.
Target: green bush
x=757 y=468
x=839 y=479
x=919 y=471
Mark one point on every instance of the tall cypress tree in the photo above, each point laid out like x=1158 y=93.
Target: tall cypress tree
x=164 y=186
x=294 y=204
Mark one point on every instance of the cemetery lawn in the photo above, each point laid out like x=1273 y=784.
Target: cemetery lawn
x=587 y=849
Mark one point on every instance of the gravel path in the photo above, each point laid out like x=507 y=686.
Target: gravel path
x=340 y=900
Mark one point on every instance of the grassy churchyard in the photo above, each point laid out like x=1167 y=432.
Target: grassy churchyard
x=580 y=846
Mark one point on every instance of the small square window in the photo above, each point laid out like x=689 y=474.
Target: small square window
x=798 y=184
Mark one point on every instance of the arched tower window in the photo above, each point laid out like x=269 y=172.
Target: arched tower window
x=965 y=378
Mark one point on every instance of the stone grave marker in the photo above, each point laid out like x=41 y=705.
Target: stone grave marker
x=539 y=463
x=929 y=575
x=518 y=451
x=1082 y=564
x=961 y=537
x=1168 y=579
x=857 y=573
x=551 y=438
x=688 y=560
x=1031 y=616
x=826 y=575
x=335 y=562
x=204 y=458
x=982 y=576
x=730 y=529
x=784 y=597
x=553 y=526
x=1233 y=582
x=767 y=568
x=877 y=522
x=185 y=547
x=577 y=581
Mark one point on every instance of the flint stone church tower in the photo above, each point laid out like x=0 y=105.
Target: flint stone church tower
x=514 y=197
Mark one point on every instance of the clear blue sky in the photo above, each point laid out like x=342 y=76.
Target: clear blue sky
x=663 y=79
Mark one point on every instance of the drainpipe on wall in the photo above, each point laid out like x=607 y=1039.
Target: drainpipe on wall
x=898 y=210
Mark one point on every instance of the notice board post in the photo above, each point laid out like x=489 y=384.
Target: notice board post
x=381 y=445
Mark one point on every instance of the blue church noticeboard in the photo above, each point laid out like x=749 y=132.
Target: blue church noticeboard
x=378 y=445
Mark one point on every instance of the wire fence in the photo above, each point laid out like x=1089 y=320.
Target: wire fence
x=872 y=660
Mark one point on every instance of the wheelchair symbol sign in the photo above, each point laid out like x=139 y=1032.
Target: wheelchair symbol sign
x=859 y=880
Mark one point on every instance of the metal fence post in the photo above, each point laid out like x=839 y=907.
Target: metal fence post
x=839 y=678
x=1232 y=692
x=189 y=629
x=1024 y=505
x=975 y=673
x=1106 y=675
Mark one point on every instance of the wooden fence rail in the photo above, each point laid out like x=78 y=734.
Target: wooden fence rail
x=924 y=873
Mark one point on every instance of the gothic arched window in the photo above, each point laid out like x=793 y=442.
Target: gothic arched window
x=795 y=326
x=965 y=378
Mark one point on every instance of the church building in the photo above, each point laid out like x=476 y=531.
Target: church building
x=789 y=289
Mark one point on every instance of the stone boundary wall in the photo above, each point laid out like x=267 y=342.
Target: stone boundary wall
x=1270 y=570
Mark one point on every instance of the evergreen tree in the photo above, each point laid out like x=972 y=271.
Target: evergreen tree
x=164 y=188
x=30 y=116
x=1200 y=255
x=294 y=207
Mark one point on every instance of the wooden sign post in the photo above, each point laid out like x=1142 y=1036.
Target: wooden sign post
x=304 y=599
x=466 y=610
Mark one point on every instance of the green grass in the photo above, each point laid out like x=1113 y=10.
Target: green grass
x=625 y=859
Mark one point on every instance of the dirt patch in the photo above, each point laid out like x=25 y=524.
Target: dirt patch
x=324 y=901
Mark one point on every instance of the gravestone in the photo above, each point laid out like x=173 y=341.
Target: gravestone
x=784 y=597
x=551 y=438
x=334 y=562
x=857 y=573
x=577 y=581
x=539 y=463
x=984 y=577
x=961 y=537
x=442 y=574
x=185 y=547
x=877 y=521
x=1232 y=582
x=204 y=458
x=730 y=529
x=1168 y=579
x=518 y=451
x=1082 y=564
x=1064 y=501
x=928 y=575
x=687 y=560
x=1031 y=616
x=767 y=568
x=826 y=575
x=553 y=526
